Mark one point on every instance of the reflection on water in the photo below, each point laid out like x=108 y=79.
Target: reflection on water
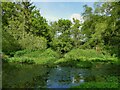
x=64 y=77
x=24 y=76
x=37 y=76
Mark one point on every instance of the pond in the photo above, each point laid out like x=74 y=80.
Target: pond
x=40 y=76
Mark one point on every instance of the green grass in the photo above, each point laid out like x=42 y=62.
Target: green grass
x=98 y=85
x=110 y=82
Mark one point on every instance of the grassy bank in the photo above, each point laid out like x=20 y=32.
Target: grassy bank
x=33 y=57
x=82 y=57
x=88 y=55
x=109 y=82
x=98 y=85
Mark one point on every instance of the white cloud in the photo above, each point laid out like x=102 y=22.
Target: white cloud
x=76 y=16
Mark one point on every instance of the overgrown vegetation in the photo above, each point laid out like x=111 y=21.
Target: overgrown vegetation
x=35 y=57
x=98 y=85
x=89 y=55
x=110 y=82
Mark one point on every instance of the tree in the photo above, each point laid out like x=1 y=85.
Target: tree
x=9 y=43
x=112 y=34
x=101 y=27
x=61 y=41
x=18 y=24
x=76 y=33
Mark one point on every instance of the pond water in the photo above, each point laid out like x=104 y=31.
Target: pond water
x=65 y=77
x=39 y=76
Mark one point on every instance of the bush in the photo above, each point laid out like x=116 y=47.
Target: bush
x=50 y=52
x=39 y=57
x=28 y=61
x=76 y=53
x=9 y=43
x=61 y=45
x=88 y=55
x=21 y=53
x=25 y=60
x=84 y=58
x=31 y=42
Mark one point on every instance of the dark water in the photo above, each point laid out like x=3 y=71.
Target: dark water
x=38 y=76
x=64 y=77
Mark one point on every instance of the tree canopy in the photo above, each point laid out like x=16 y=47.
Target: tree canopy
x=25 y=28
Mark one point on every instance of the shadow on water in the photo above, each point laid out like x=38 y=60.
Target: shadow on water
x=24 y=76
x=38 y=76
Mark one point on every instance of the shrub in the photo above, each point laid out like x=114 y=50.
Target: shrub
x=21 y=53
x=9 y=43
x=39 y=57
x=88 y=55
x=50 y=52
x=25 y=60
x=31 y=42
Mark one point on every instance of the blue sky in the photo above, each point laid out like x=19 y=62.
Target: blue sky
x=53 y=11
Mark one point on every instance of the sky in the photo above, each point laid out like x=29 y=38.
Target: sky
x=53 y=11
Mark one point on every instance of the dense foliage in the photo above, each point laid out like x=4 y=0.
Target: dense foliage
x=25 y=29
x=34 y=57
x=89 y=55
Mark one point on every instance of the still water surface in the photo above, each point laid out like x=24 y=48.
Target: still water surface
x=37 y=76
